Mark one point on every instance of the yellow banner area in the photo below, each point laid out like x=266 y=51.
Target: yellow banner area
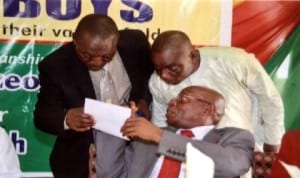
x=54 y=21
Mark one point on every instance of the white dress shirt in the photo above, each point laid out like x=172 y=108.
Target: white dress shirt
x=112 y=83
x=9 y=162
x=252 y=101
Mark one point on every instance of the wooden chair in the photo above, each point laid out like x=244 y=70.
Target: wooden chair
x=92 y=154
x=262 y=164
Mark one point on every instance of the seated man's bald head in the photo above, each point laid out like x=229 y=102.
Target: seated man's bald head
x=196 y=106
x=210 y=96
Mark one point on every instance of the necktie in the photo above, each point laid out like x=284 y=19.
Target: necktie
x=107 y=89
x=171 y=167
x=95 y=77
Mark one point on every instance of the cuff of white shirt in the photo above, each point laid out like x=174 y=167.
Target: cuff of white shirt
x=66 y=127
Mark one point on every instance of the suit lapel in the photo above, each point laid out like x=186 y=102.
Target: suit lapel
x=152 y=157
x=82 y=77
x=144 y=159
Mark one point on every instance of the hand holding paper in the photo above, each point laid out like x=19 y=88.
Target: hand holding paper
x=109 y=117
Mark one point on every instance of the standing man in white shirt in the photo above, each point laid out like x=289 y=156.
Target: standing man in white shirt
x=252 y=100
x=9 y=161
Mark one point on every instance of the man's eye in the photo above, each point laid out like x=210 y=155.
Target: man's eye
x=175 y=69
x=158 y=69
x=184 y=100
x=86 y=55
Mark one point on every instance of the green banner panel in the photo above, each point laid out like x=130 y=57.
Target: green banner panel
x=19 y=85
x=284 y=68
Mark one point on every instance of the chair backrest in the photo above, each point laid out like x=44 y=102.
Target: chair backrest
x=262 y=164
x=92 y=156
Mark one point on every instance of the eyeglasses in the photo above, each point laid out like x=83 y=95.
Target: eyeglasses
x=86 y=56
x=187 y=99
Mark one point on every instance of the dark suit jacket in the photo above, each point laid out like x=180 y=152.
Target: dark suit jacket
x=65 y=83
x=230 y=148
x=288 y=153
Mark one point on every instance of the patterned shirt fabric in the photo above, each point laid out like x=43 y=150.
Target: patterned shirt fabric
x=252 y=101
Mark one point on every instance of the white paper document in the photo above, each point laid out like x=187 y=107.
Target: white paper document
x=198 y=164
x=109 y=117
x=292 y=170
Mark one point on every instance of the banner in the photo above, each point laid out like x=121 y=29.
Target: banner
x=31 y=29
x=270 y=30
x=284 y=68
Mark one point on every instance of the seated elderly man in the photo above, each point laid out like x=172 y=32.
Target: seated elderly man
x=194 y=113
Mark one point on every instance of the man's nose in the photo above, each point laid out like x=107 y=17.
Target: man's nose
x=98 y=61
x=173 y=102
x=165 y=75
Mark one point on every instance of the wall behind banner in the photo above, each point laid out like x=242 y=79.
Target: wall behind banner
x=31 y=29
x=46 y=20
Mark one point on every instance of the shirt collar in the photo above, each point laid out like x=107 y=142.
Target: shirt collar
x=200 y=131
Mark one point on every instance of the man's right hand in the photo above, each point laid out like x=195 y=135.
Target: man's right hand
x=141 y=128
x=79 y=121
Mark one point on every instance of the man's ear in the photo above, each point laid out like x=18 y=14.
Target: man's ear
x=213 y=108
x=210 y=109
x=74 y=37
x=193 y=53
x=216 y=117
x=195 y=56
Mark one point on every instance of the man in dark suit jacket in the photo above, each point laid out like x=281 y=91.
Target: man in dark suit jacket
x=197 y=109
x=66 y=80
x=288 y=153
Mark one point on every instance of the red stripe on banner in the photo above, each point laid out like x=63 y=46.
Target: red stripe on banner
x=47 y=42
x=260 y=27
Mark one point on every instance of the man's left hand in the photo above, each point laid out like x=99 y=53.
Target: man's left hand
x=143 y=108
